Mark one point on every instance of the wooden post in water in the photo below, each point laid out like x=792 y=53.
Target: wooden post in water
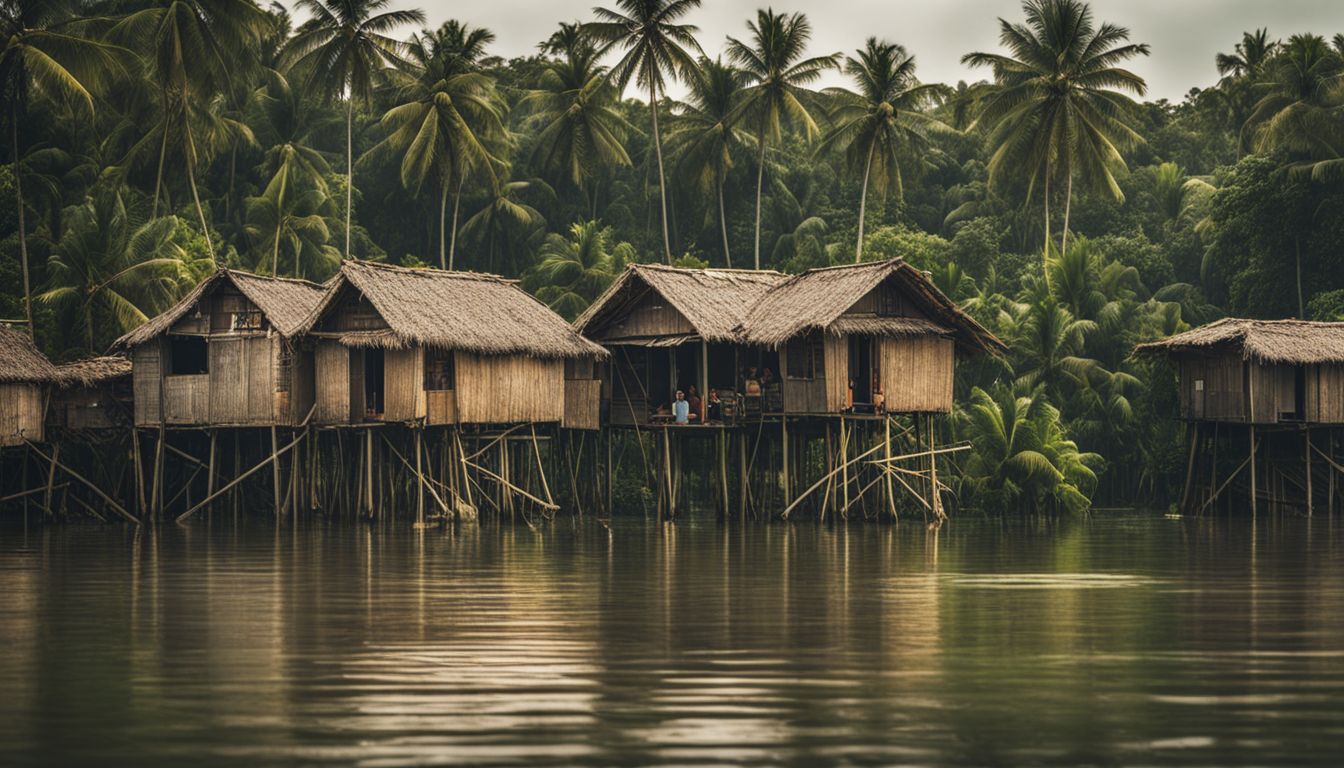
x=1308 y=457
x=933 y=474
x=210 y=471
x=420 y=477
x=1254 y=495
x=368 y=471
x=1190 y=467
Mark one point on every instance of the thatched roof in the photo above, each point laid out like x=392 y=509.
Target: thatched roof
x=21 y=362
x=1288 y=342
x=285 y=302
x=467 y=311
x=816 y=299
x=92 y=371
x=713 y=301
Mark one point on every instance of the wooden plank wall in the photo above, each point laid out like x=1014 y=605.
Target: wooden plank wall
x=441 y=406
x=21 y=414
x=802 y=395
x=1224 y=396
x=651 y=316
x=583 y=400
x=837 y=372
x=146 y=373
x=331 y=371
x=186 y=399
x=404 y=384
x=509 y=389
x=916 y=373
x=1271 y=392
x=1325 y=394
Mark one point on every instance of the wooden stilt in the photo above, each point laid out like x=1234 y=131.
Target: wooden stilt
x=157 y=491
x=1255 y=501
x=86 y=482
x=210 y=472
x=51 y=477
x=1307 y=451
x=1190 y=468
x=368 y=471
x=139 y=466
x=886 y=443
x=420 y=476
x=933 y=474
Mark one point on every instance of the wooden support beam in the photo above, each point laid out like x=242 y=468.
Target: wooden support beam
x=72 y=473
x=828 y=476
x=239 y=479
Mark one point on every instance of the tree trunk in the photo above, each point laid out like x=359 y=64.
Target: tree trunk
x=88 y=324
x=23 y=234
x=1297 y=246
x=863 y=202
x=349 y=167
x=196 y=197
x=163 y=152
x=662 y=184
x=280 y=227
x=1068 y=202
x=1045 y=254
x=760 y=181
x=457 y=205
x=723 y=229
x=443 y=224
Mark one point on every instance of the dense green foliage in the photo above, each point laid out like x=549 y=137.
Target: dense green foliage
x=148 y=141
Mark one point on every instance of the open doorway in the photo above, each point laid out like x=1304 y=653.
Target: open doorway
x=373 y=382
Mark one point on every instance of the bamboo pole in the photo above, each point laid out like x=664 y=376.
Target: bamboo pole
x=891 y=492
x=933 y=474
x=239 y=479
x=139 y=466
x=513 y=488
x=829 y=475
x=784 y=432
x=87 y=483
x=1254 y=493
x=156 y=490
x=51 y=477
x=1307 y=451
x=420 y=490
x=210 y=473
x=541 y=468
x=1226 y=483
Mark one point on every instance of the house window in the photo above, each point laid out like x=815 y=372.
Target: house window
x=806 y=358
x=246 y=320
x=188 y=356
x=439 y=374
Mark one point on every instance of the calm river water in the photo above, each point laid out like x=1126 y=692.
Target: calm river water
x=1119 y=639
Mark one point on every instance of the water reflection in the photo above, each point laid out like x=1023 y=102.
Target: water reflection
x=1115 y=639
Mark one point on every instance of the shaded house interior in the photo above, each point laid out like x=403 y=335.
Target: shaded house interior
x=228 y=354
x=401 y=345
x=1260 y=372
x=25 y=377
x=855 y=339
x=671 y=329
x=92 y=394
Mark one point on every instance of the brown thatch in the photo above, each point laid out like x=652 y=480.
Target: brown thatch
x=285 y=302
x=887 y=326
x=467 y=311
x=816 y=299
x=92 y=371
x=1288 y=342
x=713 y=301
x=21 y=362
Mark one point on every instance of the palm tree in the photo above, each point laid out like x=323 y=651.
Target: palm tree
x=582 y=134
x=656 y=49
x=575 y=269
x=108 y=265
x=195 y=49
x=1056 y=107
x=448 y=120
x=1249 y=56
x=1050 y=346
x=1180 y=198
x=777 y=73
x=43 y=55
x=705 y=132
x=299 y=223
x=505 y=222
x=342 y=49
x=1299 y=112
x=882 y=121
x=290 y=162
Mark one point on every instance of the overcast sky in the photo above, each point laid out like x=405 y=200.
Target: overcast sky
x=1184 y=34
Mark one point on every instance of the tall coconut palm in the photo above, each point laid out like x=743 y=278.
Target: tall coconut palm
x=656 y=49
x=1299 y=113
x=449 y=119
x=291 y=162
x=582 y=134
x=1248 y=57
x=505 y=223
x=42 y=55
x=882 y=122
x=778 y=74
x=1056 y=108
x=342 y=49
x=705 y=133
x=297 y=226
x=113 y=269
x=195 y=48
x=575 y=268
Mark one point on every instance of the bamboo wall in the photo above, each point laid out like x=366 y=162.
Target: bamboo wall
x=509 y=389
x=331 y=371
x=837 y=373
x=650 y=316
x=1325 y=394
x=916 y=373
x=583 y=399
x=1223 y=396
x=404 y=384
x=803 y=395
x=146 y=381
x=21 y=413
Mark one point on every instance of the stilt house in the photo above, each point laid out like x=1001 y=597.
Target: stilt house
x=226 y=355
x=1259 y=372
x=92 y=394
x=402 y=345
x=670 y=328
x=865 y=338
x=25 y=376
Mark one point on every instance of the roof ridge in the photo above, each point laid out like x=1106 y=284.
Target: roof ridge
x=429 y=271
x=245 y=273
x=702 y=270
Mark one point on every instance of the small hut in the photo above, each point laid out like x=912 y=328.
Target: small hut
x=404 y=345
x=92 y=394
x=226 y=355
x=25 y=375
x=1260 y=372
x=865 y=338
x=669 y=328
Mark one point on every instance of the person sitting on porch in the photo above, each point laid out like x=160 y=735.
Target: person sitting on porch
x=681 y=410
x=879 y=402
x=697 y=405
x=715 y=412
x=751 y=386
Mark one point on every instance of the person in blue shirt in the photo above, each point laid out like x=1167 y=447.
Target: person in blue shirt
x=681 y=410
